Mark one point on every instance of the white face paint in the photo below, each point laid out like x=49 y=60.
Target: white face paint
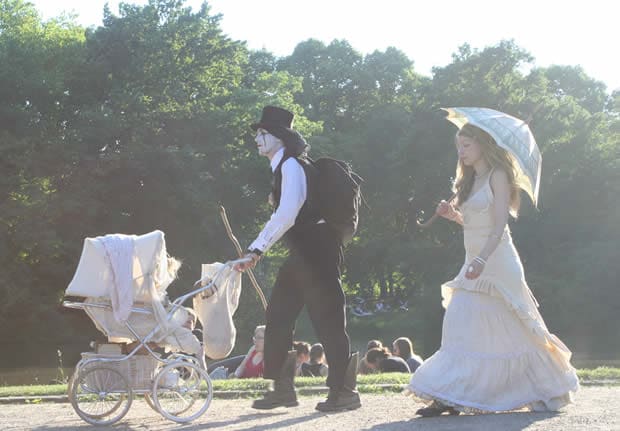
x=267 y=144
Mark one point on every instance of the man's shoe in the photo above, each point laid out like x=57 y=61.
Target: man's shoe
x=275 y=398
x=338 y=401
x=283 y=393
x=347 y=398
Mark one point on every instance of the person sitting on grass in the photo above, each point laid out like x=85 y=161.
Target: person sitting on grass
x=363 y=367
x=252 y=365
x=316 y=367
x=403 y=347
x=382 y=361
x=303 y=355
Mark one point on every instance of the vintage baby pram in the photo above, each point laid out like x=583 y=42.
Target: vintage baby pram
x=122 y=281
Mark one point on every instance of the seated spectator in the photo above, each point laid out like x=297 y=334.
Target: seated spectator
x=372 y=344
x=384 y=362
x=403 y=347
x=316 y=367
x=252 y=365
x=363 y=366
x=229 y=365
x=303 y=354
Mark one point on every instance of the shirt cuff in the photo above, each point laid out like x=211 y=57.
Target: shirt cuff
x=256 y=251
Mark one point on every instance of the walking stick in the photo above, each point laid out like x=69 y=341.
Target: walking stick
x=240 y=253
x=431 y=220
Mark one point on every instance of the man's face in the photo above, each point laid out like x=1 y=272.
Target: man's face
x=267 y=143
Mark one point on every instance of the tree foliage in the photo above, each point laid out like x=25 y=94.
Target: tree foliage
x=142 y=124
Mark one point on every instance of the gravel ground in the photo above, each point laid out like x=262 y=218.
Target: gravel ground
x=595 y=408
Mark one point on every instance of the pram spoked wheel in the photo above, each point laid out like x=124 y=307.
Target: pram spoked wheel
x=173 y=357
x=100 y=395
x=182 y=391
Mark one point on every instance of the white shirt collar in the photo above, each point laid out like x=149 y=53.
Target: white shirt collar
x=276 y=159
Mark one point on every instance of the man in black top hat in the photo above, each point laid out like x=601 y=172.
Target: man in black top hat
x=310 y=275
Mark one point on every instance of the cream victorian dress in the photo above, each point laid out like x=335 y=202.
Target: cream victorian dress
x=496 y=352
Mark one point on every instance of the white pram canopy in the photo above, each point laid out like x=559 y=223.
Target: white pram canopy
x=138 y=271
x=94 y=276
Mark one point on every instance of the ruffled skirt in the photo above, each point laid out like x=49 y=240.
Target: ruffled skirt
x=494 y=357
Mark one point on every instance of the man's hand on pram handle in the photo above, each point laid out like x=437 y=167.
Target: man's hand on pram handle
x=249 y=261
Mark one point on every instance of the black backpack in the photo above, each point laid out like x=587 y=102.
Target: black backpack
x=338 y=195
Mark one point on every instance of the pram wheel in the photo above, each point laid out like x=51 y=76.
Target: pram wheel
x=173 y=357
x=100 y=395
x=182 y=391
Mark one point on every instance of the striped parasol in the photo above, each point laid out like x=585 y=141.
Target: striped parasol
x=510 y=133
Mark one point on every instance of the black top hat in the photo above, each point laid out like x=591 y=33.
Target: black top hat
x=278 y=122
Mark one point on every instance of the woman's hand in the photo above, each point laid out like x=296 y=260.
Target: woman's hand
x=474 y=269
x=446 y=210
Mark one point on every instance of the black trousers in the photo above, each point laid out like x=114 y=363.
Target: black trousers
x=309 y=277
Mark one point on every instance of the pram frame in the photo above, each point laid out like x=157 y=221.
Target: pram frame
x=86 y=365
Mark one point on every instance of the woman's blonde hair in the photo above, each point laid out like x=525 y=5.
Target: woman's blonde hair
x=497 y=158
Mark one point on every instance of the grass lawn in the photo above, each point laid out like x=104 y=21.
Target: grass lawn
x=376 y=383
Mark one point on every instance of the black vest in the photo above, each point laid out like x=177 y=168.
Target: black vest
x=308 y=214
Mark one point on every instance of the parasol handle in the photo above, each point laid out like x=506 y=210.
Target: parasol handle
x=431 y=220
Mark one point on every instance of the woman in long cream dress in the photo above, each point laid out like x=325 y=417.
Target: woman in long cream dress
x=496 y=352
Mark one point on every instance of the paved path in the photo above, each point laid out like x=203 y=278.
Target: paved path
x=596 y=409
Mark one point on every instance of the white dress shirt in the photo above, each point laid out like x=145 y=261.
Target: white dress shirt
x=293 y=195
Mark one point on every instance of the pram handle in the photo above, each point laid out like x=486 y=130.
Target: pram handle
x=229 y=263
x=84 y=305
x=181 y=299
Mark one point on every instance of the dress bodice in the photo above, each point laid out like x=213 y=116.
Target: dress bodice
x=478 y=217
